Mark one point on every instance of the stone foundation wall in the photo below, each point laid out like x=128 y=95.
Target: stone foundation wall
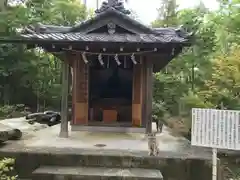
x=172 y=169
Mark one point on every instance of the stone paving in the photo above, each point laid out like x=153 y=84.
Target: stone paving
x=125 y=141
x=47 y=138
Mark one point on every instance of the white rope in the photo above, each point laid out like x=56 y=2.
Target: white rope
x=110 y=54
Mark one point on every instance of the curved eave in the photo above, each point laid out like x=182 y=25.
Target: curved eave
x=81 y=42
x=159 y=63
x=48 y=29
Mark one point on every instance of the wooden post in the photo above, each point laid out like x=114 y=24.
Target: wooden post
x=64 y=101
x=137 y=95
x=149 y=95
x=144 y=91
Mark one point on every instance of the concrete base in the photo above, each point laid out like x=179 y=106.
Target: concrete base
x=77 y=163
x=116 y=142
x=177 y=159
x=107 y=129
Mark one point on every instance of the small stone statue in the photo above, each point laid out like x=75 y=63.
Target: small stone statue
x=153 y=145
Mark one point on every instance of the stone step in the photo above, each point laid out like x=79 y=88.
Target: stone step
x=103 y=160
x=94 y=173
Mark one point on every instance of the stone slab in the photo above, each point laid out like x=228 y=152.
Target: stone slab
x=133 y=142
x=97 y=173
x=48 y=141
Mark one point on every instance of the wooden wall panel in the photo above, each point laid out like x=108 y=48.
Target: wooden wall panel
x=137 y=95
x=80 y=91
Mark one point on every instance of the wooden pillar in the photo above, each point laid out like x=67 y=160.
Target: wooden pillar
x=64 y=101
x=149 y=94
x=144 y=91
x=80 y=91
x=137 y=94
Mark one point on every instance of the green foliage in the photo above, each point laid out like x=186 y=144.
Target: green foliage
x=5 y=110
x=224 y=85
x=165 y=90
x=159 y=111
x=207 y=74
x=32 y=77
x=12 y=111
x=167 y=14
x=191 y=100
x=6 y=169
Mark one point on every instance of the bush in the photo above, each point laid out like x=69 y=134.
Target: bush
x=6 y=169
x=6 y=109
x=13 y=111
x=181 y=125
x=159 y=110
x=230 y=168
x=192 y=100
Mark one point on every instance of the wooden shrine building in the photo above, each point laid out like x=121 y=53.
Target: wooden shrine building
x=111 y=58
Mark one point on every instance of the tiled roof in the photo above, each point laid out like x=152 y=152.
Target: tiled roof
x=81 y=37
x=107 y=12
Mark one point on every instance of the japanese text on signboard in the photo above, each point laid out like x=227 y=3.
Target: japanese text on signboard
x=216 y=128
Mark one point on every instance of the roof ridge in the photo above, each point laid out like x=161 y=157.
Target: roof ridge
x=119 y=6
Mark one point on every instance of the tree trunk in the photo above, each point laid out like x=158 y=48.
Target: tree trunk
x=38 y=101
x=3 y=5
x=6 y=94
x=64 y=101
x=44 y=105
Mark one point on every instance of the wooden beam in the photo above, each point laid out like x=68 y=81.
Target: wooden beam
x=149 y=94
x=64 y=101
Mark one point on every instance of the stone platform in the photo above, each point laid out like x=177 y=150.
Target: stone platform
x=42 y=151
x=134 y=142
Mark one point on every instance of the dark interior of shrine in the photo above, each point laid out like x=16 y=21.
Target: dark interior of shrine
x=110 y=89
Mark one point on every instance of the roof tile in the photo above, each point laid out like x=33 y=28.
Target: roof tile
x=141 y=38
